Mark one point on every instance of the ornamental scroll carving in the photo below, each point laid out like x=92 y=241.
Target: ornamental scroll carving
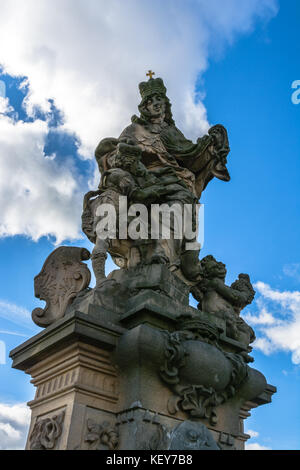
x=198 y=400
x=46 y=432
x=61 y=279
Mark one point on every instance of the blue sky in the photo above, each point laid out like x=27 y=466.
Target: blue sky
x=238 y=70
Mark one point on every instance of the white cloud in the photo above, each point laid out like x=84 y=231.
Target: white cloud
x=38 y=195
x=89 y=57
x=2 y=89
x=4 y=105
x=281 y=330
x=287 y=299
x=264 y=318
x=15 y=314
x=13 y=333
x=256 y=446
x=14 y=424
x=292 y=270
x=252 y=433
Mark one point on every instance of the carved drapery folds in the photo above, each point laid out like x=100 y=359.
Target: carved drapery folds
x=46 y=432
x=62 y=277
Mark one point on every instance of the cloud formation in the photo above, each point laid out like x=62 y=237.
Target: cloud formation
x=279 y=331
x=38 y=195
x=16 y=314
x=292 y=270
x=14 y=424
x=88 y=57
x=256 y=446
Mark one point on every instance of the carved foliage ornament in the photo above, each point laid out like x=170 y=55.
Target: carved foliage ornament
x=100 y=435
x=62 y=277
x=46 y=432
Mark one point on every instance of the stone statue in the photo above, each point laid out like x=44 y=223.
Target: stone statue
x=129 y=364
x=226 y=302
x=152 y=162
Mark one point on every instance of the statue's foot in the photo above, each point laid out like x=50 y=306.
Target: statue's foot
x=197 y=293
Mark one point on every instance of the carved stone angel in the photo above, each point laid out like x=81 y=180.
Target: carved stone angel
x=225 y=301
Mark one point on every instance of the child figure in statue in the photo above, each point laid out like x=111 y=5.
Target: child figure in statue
x=130 y=178
x=225 y=301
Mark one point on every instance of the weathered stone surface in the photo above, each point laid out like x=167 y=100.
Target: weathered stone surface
x=153 y=163
x=75 y=370
x=191 y=435
x=62 y=277
x=223 y=301
x=101 y=436
x=199 y=376
x=46 y=432
x=129 y=364
x=91 y=329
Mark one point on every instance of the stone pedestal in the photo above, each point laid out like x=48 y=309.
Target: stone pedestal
x=102 y=384
x=71 y=366
x=129 y=365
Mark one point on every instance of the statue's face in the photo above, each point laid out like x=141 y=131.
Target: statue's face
x=156 y=105
x=215 y=269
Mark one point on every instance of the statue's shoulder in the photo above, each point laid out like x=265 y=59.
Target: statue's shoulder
x=135 y=130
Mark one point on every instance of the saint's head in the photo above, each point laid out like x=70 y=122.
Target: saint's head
x=155 y=103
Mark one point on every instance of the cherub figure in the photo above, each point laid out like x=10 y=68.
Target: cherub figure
x=225 y=301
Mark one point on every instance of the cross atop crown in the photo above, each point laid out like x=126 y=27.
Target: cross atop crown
x=150 y=74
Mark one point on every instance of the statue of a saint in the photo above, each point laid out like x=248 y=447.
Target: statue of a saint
x=153 y=163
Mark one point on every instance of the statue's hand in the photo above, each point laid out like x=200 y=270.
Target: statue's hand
x=128 y=141
x=145 y=196
x=206 y=284
x=126 y=149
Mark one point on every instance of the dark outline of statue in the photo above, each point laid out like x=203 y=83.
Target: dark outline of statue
x=152 y=162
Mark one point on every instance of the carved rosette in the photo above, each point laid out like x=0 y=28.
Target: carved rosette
x=61 y=279
x=101 y=435
x=198 y=400
x=46 y=432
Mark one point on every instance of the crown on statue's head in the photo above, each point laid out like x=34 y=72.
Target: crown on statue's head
x=152 y=87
